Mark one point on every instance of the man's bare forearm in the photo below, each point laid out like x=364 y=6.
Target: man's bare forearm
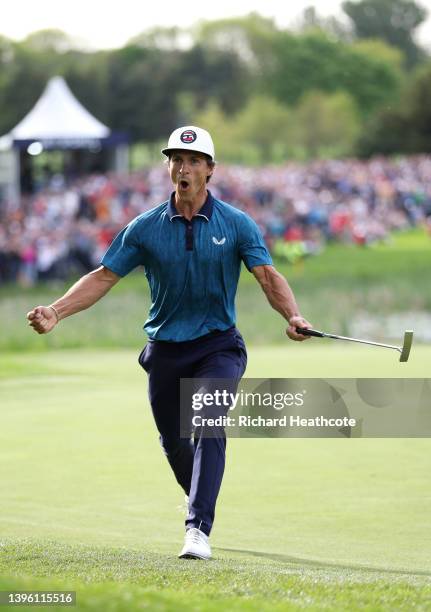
x=277 y=291
x=281 y=298
x=85 y=292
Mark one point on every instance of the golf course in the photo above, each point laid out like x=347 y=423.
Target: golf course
x=88 y=502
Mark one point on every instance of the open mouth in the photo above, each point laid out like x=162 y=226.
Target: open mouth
x=184 y=184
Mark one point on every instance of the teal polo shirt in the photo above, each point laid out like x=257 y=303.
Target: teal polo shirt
x=192 y=267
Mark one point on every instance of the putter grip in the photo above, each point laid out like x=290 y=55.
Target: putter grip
x=309 y=332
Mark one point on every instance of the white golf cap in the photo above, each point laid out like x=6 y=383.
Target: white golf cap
x=191 y=138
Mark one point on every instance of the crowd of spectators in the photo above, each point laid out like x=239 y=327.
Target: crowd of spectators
x=64 y=229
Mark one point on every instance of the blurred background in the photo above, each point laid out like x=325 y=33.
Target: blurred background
x=321 y=118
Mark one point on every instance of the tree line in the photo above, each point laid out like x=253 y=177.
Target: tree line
x=324 y=88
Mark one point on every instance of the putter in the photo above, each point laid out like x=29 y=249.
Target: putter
x=404 y=349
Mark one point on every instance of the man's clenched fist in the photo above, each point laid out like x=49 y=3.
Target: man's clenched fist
x=42 y=319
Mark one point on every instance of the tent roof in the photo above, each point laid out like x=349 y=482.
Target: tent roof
x=58 y=116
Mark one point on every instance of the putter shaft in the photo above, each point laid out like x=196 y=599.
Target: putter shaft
x=390 y=346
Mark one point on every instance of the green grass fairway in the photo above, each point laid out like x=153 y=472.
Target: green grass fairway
x=88 y=501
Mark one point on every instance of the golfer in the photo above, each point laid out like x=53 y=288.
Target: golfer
x=191 y=248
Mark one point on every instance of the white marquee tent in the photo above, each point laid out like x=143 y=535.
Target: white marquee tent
x=57 y=121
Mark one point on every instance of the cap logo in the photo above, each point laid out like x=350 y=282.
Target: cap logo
x=188 y=136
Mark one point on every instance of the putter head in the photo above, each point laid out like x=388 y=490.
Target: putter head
x=407 y=345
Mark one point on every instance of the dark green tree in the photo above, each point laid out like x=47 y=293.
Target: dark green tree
x=147 y=87
x=404 y=127
x=87 y=75
x=394 y=21
x=142 y=85
x=213 y=74
x=419 y=108
x=386 y=133
x=315 y=61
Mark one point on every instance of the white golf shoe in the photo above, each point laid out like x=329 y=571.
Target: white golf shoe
x=196 y=545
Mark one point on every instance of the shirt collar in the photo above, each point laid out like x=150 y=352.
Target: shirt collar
x=206 y=211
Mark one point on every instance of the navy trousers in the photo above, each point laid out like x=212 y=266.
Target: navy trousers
x=198 y=463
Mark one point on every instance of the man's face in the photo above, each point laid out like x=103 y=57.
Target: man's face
x=189 y=171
